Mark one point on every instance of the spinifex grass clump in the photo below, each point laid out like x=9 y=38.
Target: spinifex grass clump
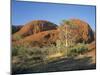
x=77 y=49
x=17 y=37
x=24 y=57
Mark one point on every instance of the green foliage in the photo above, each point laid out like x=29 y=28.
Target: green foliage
x=17 y=37
x=71 y=51
x=66 y=22
x=25 y=52
x=77 y=49
x=18 y=49
x=28 y=57
x=15 y=50
x=60 y=44
x=70 y=24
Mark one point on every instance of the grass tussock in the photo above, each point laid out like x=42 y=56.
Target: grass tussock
x=25 y=57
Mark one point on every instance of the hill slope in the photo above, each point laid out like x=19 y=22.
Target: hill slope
x=46 y=33
x=35 y=27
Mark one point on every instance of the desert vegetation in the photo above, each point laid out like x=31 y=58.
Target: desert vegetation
x=48 y=43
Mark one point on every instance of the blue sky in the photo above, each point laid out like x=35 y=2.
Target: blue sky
x=23 y=12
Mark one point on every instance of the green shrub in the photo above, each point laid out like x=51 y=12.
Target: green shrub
x=17 y=37
x=77 y=49
x=15 y=50
x=28 y=57
x=70 y=23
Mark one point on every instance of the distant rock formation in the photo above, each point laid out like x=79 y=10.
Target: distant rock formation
x=40 y=39
x=76 y=31
x=35 y=27
x=16 y=28
x=42 y=33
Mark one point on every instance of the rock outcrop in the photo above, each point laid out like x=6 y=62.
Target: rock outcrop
x=35 y=26
x=43 y=33
x=79 y=31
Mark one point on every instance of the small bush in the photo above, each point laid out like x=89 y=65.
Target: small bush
x=15 y=50
x=28 y=57
x=17 y=37
x=70 y=23
x=77 y=49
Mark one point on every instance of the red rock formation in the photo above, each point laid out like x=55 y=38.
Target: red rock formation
x=40 y=32
x=40 y=39
x=35 y=26
x=81 y=30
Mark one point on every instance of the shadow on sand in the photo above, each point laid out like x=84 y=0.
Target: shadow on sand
x=65 y=64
